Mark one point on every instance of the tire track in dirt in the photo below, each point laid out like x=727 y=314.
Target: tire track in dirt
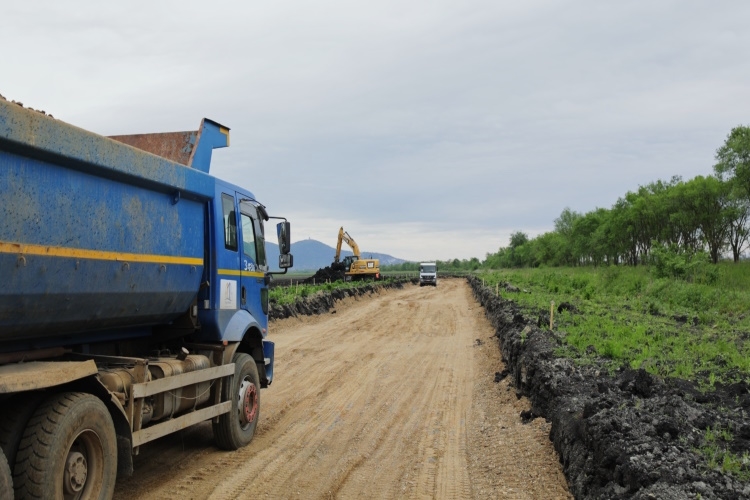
x=386 y=398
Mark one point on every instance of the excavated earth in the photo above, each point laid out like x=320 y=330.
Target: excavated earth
x=324 y=301
x=622 y=435
x=329 y=273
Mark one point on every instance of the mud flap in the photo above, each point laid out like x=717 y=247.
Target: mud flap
x=266 y=374
x=124 y=457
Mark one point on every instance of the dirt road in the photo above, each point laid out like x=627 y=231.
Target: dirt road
x=390 y=396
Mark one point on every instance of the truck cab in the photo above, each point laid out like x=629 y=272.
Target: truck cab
x=428 y=273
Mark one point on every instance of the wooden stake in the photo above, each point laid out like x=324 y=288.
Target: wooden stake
x=551 y=314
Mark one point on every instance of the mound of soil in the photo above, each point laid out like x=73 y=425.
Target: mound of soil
x=324 y=301
x=327 y=274
x=626 y=434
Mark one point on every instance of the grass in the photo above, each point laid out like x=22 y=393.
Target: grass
x=670 y=327
x=719 y=458
x=288 y=294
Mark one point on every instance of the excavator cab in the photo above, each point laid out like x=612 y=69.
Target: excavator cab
x=348 y=260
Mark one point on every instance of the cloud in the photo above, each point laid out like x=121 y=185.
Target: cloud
x=435 y=128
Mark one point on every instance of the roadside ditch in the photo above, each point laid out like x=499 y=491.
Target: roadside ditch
x=625 y=434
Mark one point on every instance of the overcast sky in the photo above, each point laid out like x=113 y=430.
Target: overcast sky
x=428 y=129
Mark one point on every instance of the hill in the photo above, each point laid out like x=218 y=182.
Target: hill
x=311 y=255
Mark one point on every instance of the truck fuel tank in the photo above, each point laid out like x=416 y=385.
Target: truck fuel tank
x=166 y=404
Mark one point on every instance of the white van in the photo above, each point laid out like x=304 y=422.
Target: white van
x=428 y=273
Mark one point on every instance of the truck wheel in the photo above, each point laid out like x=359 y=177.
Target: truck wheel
x=6 y=481
x=14 y=416
x=69 y=450
x=236 y=428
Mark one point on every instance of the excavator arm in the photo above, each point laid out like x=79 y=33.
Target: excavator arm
x=344 y=236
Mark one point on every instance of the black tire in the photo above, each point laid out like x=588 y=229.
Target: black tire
x=14 y=416
x=6 y=481
x=236 y=428
x=68 y=451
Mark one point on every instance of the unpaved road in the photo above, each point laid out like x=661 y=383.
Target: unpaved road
x=392 y=396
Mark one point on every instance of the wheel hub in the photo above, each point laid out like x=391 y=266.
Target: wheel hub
x=76 y=471
x=248 y=395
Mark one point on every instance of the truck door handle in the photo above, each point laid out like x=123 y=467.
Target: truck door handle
x=243 y=296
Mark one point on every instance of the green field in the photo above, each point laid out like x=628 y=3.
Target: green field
x=688 y=328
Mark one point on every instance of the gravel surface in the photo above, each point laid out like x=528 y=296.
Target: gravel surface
x=388 y=395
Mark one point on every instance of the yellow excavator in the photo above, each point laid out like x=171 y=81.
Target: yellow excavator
x=354 y=266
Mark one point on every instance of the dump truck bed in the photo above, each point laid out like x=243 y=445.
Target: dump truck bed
x=95 y=235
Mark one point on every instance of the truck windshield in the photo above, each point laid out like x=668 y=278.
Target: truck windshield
x=427 y=269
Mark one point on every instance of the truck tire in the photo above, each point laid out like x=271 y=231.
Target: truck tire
x=236 y=428
x=6 y=481
x=69 y=450
x=14 y=416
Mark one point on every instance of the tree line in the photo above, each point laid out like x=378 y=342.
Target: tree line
x=708 y=214
x=454 y=265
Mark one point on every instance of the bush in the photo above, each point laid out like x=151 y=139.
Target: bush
x=674 y=262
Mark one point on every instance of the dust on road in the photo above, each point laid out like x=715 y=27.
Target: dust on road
x=388 y=396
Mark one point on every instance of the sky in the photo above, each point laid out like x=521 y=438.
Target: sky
x=427 y=129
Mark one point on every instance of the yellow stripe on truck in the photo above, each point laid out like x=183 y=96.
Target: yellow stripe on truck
x=82 y=253
x=234 y=272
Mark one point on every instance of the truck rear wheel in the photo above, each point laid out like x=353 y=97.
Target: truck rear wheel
x=236 y=428
x=69 y=450
x=14 y=416
x=6 y=481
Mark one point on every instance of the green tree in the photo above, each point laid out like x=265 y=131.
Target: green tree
x=738 y=216
x=709 y=206
x=684 y=230
x=733 y=164
x=547 y=249
x=622 y=229
x=733 y=158
x=583 y=239
x=517 y=239
x=564 y=227
x=518 y=253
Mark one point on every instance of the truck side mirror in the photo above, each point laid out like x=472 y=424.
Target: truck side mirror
x=286 y=261
x=283 y=231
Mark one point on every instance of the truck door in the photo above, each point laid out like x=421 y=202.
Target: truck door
x=253 y=265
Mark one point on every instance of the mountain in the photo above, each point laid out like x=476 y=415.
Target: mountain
x=311 y=255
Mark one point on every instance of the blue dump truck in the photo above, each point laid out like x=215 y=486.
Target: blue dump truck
x=133 y=300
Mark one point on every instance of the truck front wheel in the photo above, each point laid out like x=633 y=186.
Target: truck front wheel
x=236 y=428
x=69 y=450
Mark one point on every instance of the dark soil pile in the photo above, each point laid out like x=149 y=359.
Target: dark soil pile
x=327 y=274
x=627 y=434
x=324 y=301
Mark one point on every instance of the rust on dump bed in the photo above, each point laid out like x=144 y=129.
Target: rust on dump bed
x=174 y=146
